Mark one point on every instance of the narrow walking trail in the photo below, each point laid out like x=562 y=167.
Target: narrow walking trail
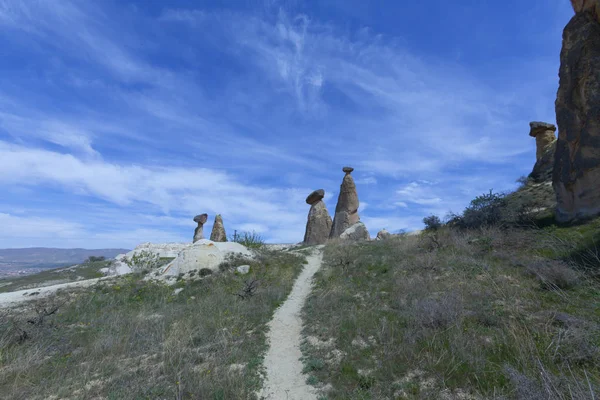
x=284 y=380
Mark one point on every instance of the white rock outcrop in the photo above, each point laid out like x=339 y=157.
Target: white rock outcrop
x=187 y=256
x=243 y=269
x=203 y=254
x=356 y=232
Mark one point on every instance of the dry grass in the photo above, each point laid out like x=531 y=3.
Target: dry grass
x=452 y=316
x=131 y=339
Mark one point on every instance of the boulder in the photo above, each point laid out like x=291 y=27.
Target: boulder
x=346 y=210
x=383 y=235
x=204 y=254
x=243 y=269
x=545 y=139
x=120 y=264
x=218 y=231
x=576 y=175
x=318 y=225
x=356 y=232
x=199 y=232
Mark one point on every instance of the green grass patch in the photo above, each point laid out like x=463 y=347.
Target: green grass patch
x=475 y=313
x=133 y=339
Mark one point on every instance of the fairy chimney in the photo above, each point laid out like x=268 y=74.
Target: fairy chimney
x=318 y=225
x=199 y=231
x=346 y=211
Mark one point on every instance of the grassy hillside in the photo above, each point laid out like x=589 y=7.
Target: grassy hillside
x=479 y=314
x=87 y=270
x=133 y=339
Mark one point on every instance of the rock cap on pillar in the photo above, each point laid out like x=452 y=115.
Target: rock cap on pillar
x=199 y=231
x=315 y=196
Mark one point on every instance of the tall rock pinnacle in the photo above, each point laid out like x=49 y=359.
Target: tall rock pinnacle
x=346 y=211
x=318 y=225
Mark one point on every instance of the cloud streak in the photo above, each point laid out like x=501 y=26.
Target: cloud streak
x=164 y=113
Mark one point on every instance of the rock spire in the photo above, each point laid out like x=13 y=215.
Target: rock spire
x=318 y=225
x=218 y=230
x=346 y=211
x=199 y=232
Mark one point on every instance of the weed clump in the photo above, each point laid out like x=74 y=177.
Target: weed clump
x=554 y=275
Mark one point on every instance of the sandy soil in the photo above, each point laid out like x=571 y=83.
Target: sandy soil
x=284 y=379
x=14 y=298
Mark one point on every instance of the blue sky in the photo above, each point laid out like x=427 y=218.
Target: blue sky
x=121 y=120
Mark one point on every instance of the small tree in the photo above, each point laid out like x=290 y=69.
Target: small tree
x=251 y=240
x=484 y=210
x=92 y=259
x=432 y=223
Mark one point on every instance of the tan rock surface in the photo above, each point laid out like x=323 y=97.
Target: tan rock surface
x=199 y=231
x=545 y=138
x=318 y=225
x=576 y=175
x=218 y=231
x=591 y=6
x=346 y=211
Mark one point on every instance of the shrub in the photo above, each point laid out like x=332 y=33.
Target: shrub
x=92 y=259
x=554 y=275
x=484 y=210
x=438 y=313
x=432 y=223
x=143 y=261
x=523 y=181
x=251 y=240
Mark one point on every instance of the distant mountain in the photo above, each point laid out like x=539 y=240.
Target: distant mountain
x=41 y=257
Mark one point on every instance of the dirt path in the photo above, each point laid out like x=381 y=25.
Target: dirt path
x=284 y=380
x=10 y=299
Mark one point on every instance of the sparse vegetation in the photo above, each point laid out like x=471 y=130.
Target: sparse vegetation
x=87 y=270
x=251 y=240
x=474 y=313
x=127 y=338
x=144 y=262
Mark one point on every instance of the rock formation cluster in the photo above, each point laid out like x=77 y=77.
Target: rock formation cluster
x=576 y=175
x=318 y=225
x=199 y=231
x=545 y=139
x=346 y=211
x=218 y=231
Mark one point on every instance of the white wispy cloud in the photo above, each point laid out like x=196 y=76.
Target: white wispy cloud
x=294 y=99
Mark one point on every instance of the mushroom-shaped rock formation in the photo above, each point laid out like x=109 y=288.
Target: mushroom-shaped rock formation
x=346 y=211
x=576 y=175
x=218 y=230
x=199 y=232
x=544 y=136
x=318 y=225
x=356 y=232
x=545 y=140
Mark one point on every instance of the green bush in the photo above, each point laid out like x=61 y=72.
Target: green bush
x=432 y=223
x=144 y=261
x=251 y=240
